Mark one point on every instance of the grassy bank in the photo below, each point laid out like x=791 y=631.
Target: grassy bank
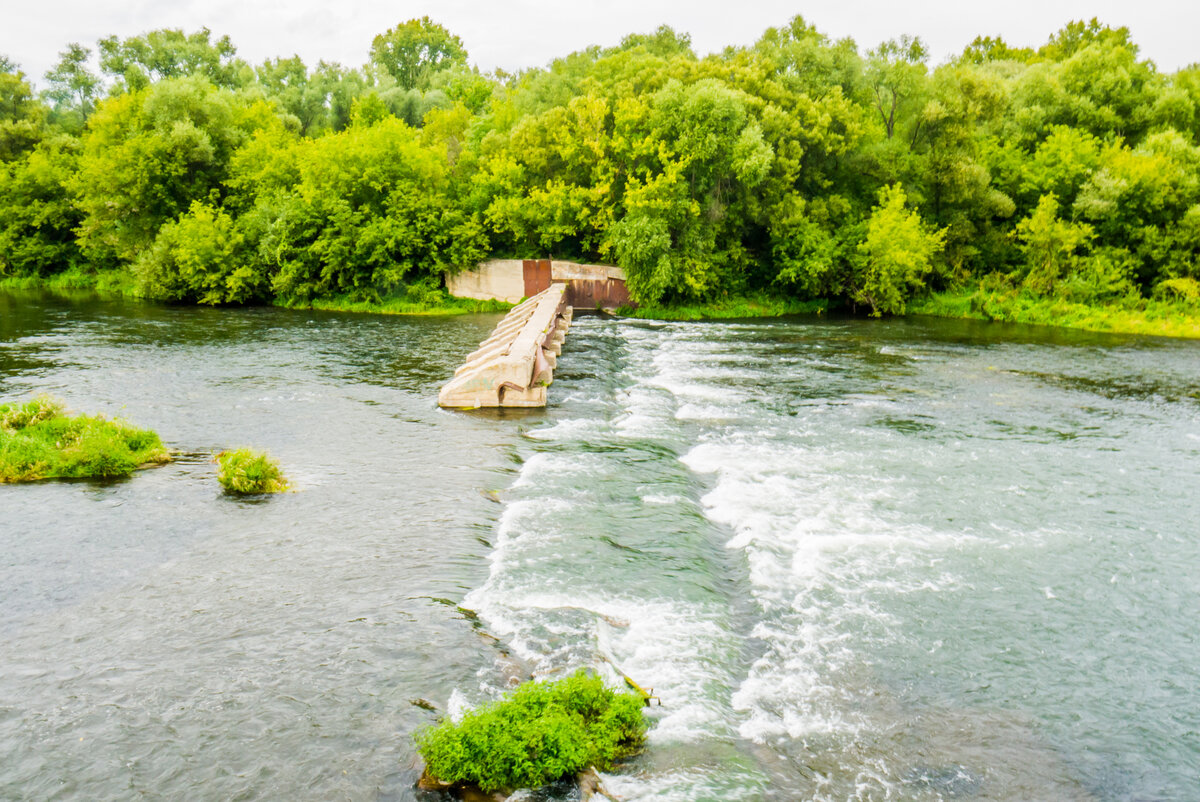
x=1157 y=318
x=38 y=440
x=427 y=304
x=105 y=283
x=729 y=308
x=412 y=300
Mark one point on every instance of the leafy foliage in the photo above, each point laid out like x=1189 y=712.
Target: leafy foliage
x=414 y=50
x=39 y=441
x=539 y=733
x=1068 y=171
x=896 y=254
x=244 y=471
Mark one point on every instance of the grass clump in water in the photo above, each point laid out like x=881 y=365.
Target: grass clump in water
x=244 y=471
x=38 y=440
x=541 y=732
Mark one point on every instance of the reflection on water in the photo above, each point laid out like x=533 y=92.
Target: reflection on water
x=855 y=559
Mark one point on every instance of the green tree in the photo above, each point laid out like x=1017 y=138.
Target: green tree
x=360 y=212
x=415 y=49
x=896 y=256
x=73 y=86
x=22 y=117
x=200 y=257
x=149 y=154
x=37 y=215
x=172 y=53
x=992 y=48
x=896 y=74
x=1049 y=245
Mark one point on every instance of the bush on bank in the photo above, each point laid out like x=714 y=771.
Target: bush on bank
x=798 y=167
x=38 y=440
x=541 y=732
x=245 y=471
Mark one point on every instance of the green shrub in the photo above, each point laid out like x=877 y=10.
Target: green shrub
x=245 y=471
x=39 y=441
x=541 y=732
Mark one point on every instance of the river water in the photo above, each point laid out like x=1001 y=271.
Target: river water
x=910 y=560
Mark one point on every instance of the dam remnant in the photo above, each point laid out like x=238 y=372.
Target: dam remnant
x=513 y=367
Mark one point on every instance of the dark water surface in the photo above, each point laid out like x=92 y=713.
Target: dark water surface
x=857 y=560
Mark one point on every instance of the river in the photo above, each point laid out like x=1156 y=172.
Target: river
x=904 y=559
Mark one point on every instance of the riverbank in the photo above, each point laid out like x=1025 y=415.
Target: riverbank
x=437 y=304
x=729 y=308
x=113 y=284
x=1144 y=316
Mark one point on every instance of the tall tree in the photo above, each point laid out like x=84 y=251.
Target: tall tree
x=413 y=50
x=171 y=53
x=896 y=71
x=73 y=86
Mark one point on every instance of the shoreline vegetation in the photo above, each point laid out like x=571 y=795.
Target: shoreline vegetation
x=1055 y=184
x=38 y=440
x=1147 y=317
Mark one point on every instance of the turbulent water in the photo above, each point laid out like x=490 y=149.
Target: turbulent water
x=854 y=559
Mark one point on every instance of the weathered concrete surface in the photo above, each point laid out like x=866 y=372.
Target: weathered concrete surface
x=511 y=280
x=513 y=367
x=500 y=279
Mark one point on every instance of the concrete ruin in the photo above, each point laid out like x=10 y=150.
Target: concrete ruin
x=510 y=280
x=513 y=367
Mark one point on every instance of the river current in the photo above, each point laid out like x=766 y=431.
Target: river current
x=856 y=560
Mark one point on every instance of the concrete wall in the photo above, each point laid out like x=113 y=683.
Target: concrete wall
x=567 y=271
x=501 y=279
x=510 y=280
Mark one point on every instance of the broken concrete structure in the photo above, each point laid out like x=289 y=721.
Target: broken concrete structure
x=510 y=280
x=513 y=367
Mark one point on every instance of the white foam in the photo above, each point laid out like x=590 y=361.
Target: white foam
x=457 y=706
x=819 y=552
x=570 y=429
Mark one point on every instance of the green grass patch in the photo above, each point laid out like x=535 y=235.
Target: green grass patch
x=1162 y=318
x=104 y=283
x=729 y=308
x=411 y=302
x=38 y=440
x=541 y=732
x=244 y=471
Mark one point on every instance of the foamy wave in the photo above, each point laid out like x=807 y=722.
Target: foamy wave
x=570 y=429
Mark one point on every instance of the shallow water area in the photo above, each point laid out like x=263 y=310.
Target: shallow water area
x=910 y=559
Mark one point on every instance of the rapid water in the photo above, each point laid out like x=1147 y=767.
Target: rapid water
x=855 y=559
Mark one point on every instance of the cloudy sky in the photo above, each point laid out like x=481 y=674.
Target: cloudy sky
x=523 y=33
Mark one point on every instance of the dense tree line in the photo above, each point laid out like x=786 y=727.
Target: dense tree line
x=799 y=166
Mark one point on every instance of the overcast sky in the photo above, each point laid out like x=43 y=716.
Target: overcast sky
x=522 y=33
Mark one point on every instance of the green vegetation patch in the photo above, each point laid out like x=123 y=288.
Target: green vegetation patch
x=541 y=732
x=244 y=471
x=416 y=299
x=103 y=284
x=729 y=308
x=38 y=440
x=1155 y=317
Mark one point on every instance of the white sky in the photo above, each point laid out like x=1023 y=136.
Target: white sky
x=524 y=33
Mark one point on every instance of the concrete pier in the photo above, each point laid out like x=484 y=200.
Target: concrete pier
x=513 y=367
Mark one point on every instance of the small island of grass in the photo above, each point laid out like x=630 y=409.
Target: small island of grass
x=38 y=440
x=540 y=733
x=244 y=471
